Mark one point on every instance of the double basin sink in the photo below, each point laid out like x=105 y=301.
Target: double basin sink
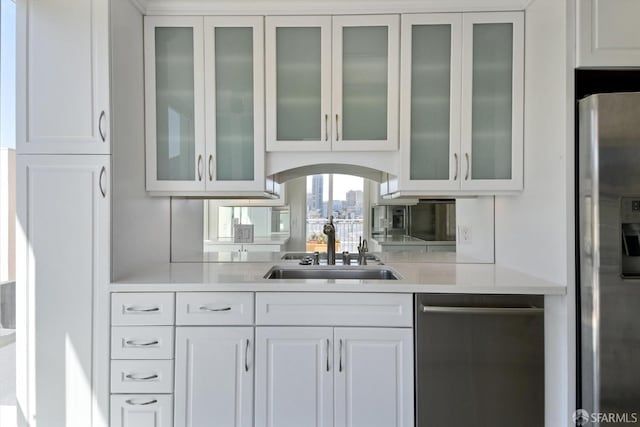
x=331 y=272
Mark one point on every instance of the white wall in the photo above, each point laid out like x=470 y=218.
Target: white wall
x=7 y=214
x=531 y=229
x=140 y=223
x=477 y=215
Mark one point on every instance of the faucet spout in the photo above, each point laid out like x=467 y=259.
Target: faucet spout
x=330 y=230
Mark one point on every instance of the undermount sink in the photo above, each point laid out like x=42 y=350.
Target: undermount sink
x=332 y=273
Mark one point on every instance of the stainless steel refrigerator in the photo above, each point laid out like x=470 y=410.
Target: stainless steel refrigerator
x=608 y=209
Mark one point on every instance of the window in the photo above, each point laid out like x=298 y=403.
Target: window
x=340 y=196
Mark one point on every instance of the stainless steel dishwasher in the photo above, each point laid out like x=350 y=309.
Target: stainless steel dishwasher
x=479 y=360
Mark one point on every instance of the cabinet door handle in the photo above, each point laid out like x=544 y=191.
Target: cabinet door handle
x=138 y=343
x=455 y=160
x=246 y=356
x=210 y=167
x=340 y=357
x=337 y=129
x=141 y=309
x=134 y=377
x=200 y=167
x=103 y=191
x=466 y=176
x=326 y=127
x=138 y=402
x=103 y=137
x=328 y=354
x=205 y=308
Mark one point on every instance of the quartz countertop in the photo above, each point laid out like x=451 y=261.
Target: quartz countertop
x=420 y=273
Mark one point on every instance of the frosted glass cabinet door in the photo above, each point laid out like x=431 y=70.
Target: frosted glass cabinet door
x=174 y=103
x=234 y=98
x=298 y=83
x=430 y=101
x=365 y=82
x=493 y=62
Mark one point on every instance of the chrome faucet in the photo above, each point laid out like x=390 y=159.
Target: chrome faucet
x=363 y=248
x=330 y=230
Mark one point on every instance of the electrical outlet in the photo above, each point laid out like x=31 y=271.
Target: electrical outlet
x=464 y=234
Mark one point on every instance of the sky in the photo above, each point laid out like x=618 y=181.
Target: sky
x=7 y=73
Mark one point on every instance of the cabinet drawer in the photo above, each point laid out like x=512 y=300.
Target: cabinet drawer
x=141 y=376
x=149 y=410
x=333 y=309
x=142 y=342
x=142 y=308
x=214 y=308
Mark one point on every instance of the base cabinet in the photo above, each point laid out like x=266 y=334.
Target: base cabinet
x=374 y=377
x=323 y=376
x=350 y=365
x=294 y=376
x=214 y=376
x=141 y=410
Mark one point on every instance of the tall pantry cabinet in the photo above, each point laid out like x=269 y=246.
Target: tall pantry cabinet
x=63 y=205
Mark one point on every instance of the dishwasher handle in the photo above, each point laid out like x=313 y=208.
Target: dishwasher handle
x=480 y=310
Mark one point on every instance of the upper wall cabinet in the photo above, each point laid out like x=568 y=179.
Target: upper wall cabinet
x=608 y=33
x=430 y=101
x=63 y=74
x=332 y=83
x=193 y=63
x=462 y=102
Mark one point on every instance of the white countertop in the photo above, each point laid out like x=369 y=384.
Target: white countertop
x=433 y=276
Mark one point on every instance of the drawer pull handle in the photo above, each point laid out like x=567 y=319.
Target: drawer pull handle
x=137 y=343
x=205 y=308
x=134 y=377
x=141 y=309
x=139 y=402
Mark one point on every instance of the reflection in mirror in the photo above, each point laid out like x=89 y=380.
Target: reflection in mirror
x=202 y=230
x=270 y=227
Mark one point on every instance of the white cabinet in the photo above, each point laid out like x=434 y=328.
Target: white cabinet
x=63 y=271
x=462 y=102
x=334 y=376
x=205 y=105
x=608 y=34
x=214 y=376
x=63 y=77
x=374 y=377
x=491 y=155
x=305 y=375
x=294 y=377
x=141 y=411
x=430 y=101
x=332 y=83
